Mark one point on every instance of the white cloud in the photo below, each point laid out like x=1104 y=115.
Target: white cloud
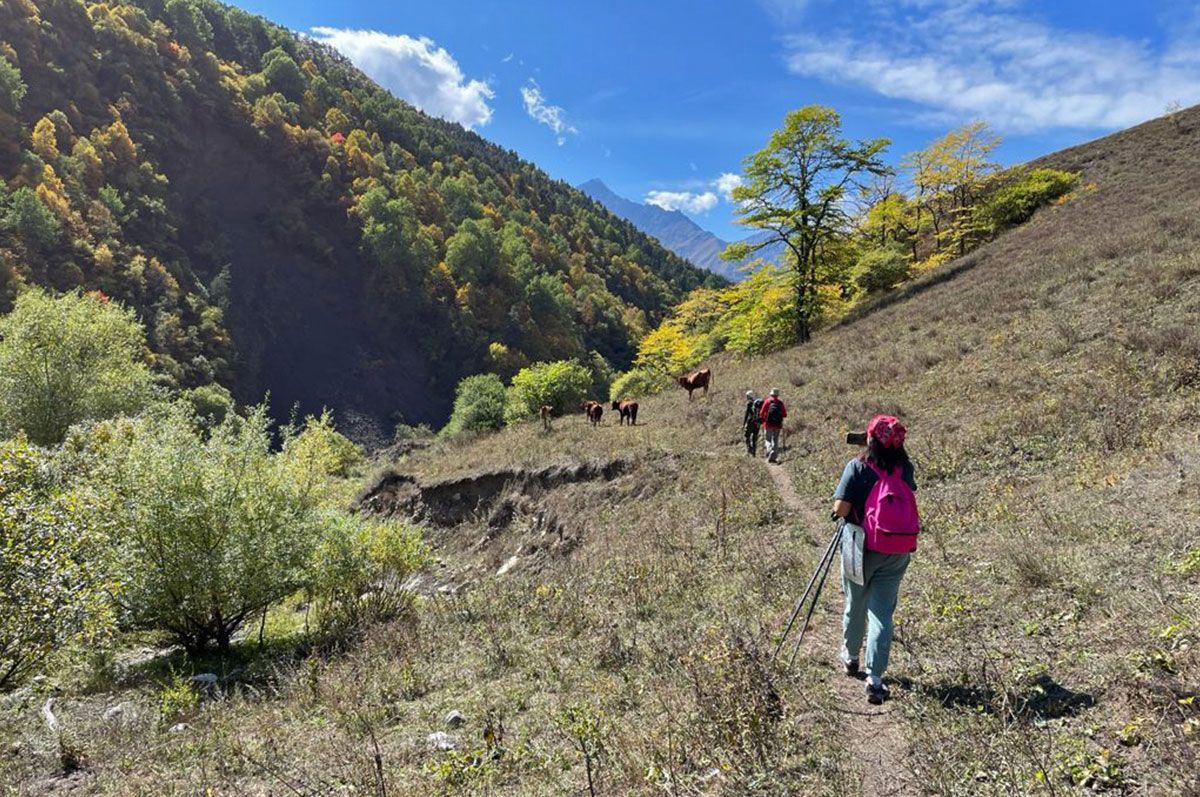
x=542 y=112
x=416 y=70
x=726 y=182
x=686 y=201
x=506 y=58
x=981 y=58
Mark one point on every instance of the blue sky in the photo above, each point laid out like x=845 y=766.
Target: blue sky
x=661 y=98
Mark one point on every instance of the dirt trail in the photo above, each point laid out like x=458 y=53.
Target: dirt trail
x=874 y=734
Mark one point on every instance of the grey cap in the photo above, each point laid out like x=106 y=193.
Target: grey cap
x=774 y=391
x=749 y=394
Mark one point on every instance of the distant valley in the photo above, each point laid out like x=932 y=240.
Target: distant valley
x=674 y=230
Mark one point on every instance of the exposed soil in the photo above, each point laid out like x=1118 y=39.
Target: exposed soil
x=492 y=494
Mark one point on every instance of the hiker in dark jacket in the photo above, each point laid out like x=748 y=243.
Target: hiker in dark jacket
x=772 y=414
x=883 y=555
x=750 y=423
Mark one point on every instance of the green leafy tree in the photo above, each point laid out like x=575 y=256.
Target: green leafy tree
x=795 y=191
x=30 y=220
x=67 y=359
x=473 y=252
x=208 y=531
x=283 y=74
x=561 y=385
x=51 y=567
x=12 y=88
x=478 y=406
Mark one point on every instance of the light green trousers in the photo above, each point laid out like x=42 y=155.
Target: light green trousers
x=869 y=608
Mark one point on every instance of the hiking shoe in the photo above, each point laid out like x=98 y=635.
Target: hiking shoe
x=876 y=693
x=851 y=666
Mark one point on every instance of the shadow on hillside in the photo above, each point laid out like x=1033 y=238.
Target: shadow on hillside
x=1044 y=699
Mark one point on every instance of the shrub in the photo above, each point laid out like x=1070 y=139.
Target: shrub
x=321 y=449
x=478 y=405
x=53 y=586
x=358 y=570
x=880 y=269
x=638 y=383
x=67 y=359
x=1016 y=202
x=560 y=384
x=211 y=404
x=207 y=532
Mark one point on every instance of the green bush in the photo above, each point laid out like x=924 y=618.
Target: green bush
x=208 y=532
x=67 y=359
x=51 y=566
x=561 y=384
x=638 y=383
x=358 y=569
x=319 y=448
x=210 y=403
x=878 y=270
x=1016 y=202
x=478 y=406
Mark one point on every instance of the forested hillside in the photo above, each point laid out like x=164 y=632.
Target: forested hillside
x=280 y=223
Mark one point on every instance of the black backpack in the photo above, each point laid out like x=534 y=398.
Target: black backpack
x=757 y=409
x=775 y=413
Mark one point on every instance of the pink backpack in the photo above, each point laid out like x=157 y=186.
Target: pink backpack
x=891 y=520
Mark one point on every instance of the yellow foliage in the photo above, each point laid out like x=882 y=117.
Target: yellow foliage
x=45 y=139
x=53 y=193
x=104 y=259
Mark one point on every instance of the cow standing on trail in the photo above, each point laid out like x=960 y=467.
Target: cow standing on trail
x=695 y=381
x=772 y=415
x=628 y=411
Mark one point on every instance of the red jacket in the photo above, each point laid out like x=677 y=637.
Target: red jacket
x=762 y=413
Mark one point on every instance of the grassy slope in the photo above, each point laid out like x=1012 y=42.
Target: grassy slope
x=1050 y=384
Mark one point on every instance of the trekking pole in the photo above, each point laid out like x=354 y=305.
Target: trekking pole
x=821 y=565
x=812 y=607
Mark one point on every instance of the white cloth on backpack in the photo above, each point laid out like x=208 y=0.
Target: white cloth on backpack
x=853 y=539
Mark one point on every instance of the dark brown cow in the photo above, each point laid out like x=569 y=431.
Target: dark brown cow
x=594 y=410
x=628 y=410
x=545 y=411
x=695 y=381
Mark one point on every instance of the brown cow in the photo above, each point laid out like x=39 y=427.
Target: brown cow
x=545 y=412
x=695 y=381
x=594 y=410
x=628 y=410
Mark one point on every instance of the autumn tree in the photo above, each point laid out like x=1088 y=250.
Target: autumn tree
x=948 y=177
x=796 y=191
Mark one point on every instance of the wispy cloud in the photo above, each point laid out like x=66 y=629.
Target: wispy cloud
x=983 y=58
x=542 y=112
x=416 y=70
x=506 y=58
x=687 y=201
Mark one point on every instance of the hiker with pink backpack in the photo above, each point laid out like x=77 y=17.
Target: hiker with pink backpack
x=876 y=501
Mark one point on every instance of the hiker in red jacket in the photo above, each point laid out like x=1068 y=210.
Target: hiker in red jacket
x=772 y=414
